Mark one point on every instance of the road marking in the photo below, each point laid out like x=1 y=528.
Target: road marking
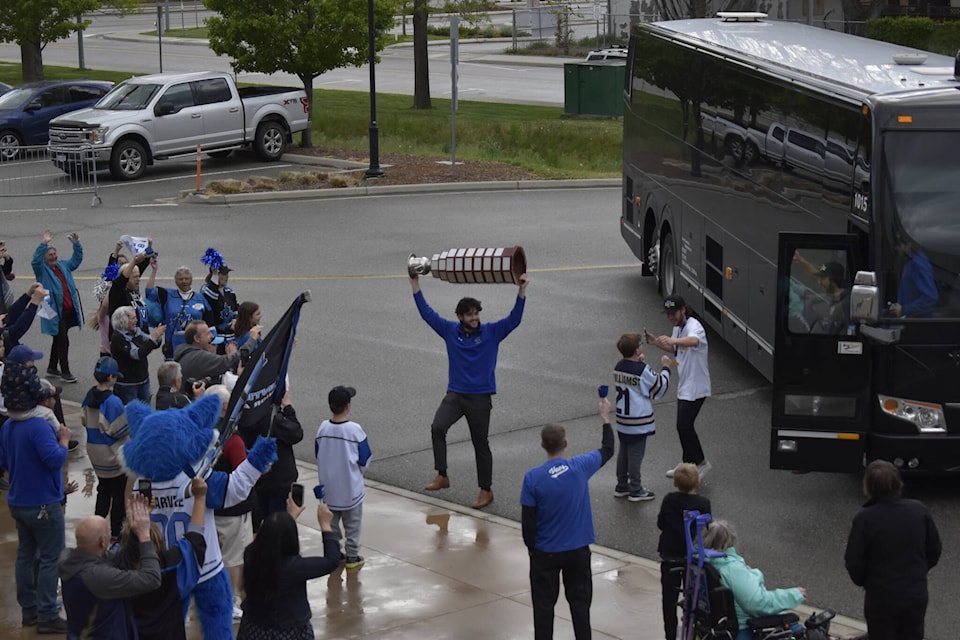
x=35 y=210
x=188 y=175
x=389 y=276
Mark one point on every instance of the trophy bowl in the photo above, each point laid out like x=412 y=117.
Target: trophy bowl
x=418 y=266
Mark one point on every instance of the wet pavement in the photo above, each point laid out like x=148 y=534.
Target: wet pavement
x=433 y=569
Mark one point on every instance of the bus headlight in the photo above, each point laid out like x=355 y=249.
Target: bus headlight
x=926 y=417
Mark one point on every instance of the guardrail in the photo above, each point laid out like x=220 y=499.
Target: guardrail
x=29 y=171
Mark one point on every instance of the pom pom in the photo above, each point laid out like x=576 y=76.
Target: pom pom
x=213 y=259
x=111 y=272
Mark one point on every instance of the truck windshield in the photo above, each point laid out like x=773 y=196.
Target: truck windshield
x=128 y=97
x=923 y=193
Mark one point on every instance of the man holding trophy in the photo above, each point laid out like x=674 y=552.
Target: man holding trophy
x=472 y=350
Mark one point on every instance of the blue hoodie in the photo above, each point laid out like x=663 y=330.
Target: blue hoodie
x=472 y=359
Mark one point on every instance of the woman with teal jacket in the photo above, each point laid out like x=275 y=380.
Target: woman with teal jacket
x=751 y=597
x=56 y=276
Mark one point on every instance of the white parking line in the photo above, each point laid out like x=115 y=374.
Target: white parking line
x=187 y=176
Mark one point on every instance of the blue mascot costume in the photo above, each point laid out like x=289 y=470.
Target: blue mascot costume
x=162 y=444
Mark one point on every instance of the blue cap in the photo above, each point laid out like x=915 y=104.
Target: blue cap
x=214 y=338
x=22 y=354
x=108 y=366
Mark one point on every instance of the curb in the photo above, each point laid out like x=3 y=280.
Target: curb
x=398 y=189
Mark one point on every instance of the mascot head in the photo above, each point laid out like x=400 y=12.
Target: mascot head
x=162 y=443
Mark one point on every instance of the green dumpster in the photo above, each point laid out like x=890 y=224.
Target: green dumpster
x=593 y=88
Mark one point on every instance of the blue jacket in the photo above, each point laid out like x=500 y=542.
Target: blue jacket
x=50 y=282
x=29 y=449
x=918 y=290
x=472 y=360
x=751 y=597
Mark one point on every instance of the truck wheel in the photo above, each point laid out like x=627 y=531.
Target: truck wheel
x=10 y=143
x=128 y=160
x=735 y=146
x=667 y=269
x=271 y=141
x=751 y=154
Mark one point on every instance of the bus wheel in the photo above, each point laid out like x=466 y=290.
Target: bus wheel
x=667 y=268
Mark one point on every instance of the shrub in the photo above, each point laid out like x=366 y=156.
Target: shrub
x=906 y=31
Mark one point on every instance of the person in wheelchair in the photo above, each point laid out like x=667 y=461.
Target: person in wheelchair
x=751 y=598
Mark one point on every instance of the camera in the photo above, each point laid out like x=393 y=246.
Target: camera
x=195 y=382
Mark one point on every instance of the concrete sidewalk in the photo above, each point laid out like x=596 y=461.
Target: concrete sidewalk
x=433 y=570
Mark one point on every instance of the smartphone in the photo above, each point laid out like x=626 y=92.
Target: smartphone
x=146 y=488
x=296 y=492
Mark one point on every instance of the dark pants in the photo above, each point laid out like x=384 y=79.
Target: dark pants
x=545 y=570
x=476 y=408
x=671 y=582
x=895 y=620
x=110 y=499
x=687 y=411
x=60 y=349
x=629 y=460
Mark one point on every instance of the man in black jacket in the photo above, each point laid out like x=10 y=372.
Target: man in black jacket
x=892 y=546
x=274 y=485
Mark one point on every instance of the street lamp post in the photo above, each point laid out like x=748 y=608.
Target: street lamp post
x=374 y=171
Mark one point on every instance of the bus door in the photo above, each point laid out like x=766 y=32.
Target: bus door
x=822 y=372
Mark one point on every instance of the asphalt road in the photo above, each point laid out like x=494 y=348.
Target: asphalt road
x=114 y=42
x=362 y=329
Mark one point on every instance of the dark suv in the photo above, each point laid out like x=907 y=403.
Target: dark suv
x=26 y=111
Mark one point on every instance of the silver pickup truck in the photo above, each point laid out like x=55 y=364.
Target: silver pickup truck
x=165 y=115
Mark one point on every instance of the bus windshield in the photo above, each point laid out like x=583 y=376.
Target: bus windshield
x=921 y=168
x=924 y=166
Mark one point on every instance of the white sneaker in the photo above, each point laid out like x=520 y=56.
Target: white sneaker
x=704 y=468
x=670 y=472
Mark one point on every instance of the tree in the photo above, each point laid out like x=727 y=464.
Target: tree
x=303 y=37
x=421 y=61
x=33 y=24
x=470 y=11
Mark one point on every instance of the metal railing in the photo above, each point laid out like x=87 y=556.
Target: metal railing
x=30 y=171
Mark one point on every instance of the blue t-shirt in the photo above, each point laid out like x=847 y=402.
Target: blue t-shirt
x=560 y=492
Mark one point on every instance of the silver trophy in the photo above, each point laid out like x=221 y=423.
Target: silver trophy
x=418 y=266
x=472 y=265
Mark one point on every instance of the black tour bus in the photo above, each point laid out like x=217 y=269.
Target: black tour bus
x=800 y=188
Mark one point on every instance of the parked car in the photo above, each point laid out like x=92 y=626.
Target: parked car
x=26 y=111
x=4 y=87
x=166 y=115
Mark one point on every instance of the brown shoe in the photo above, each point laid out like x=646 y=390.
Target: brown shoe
x=440 y=482
x=485 y=498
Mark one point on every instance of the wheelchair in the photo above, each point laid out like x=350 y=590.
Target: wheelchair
x=708 y=606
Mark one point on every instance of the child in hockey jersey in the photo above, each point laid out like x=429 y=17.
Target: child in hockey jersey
x=637 y=385
x=343 y=454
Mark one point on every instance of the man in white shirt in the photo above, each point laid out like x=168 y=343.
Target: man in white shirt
x=688 y=344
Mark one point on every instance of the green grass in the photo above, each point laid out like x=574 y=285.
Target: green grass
x=191 y=32
x=541 y=139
